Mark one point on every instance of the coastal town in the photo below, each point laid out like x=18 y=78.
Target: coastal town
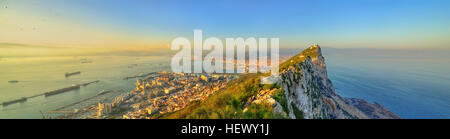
x=156 y=94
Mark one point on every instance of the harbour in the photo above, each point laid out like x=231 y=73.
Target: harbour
x=37 y=78
x=101 y=93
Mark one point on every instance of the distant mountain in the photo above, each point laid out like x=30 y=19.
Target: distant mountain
x=18 y=45
x=27 y=50
x=303 y=91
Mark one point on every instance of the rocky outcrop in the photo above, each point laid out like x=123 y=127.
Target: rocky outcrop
x=310 y=94
x=265 y=96
x=375 y=110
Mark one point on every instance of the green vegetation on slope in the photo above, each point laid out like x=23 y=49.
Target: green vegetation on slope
x=228 y=103
x=299 y=58
x=281 y=98
x=298 y=113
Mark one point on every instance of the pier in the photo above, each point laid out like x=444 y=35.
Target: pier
x=54 y=92
x=140 y=75
x=84 y=84
x=50 y=93
x=79 y=102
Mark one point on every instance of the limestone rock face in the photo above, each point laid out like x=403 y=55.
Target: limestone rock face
x=265 y=96
x=310 y=94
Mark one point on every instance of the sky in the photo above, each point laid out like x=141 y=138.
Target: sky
x=132 y=24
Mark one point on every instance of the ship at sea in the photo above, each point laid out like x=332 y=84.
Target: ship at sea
x=72 y=73
x=13 y=81
x=85 y=61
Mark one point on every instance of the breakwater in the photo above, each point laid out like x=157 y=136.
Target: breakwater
x=140 y=75
x=49 y=93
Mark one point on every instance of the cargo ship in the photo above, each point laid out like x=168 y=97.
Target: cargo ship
x=84 y=60
x=73 y=73
x=13 y=81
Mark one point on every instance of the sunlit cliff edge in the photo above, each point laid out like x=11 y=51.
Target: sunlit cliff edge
x=303 y=91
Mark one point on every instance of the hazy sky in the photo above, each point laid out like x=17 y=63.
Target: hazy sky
x=134 y=24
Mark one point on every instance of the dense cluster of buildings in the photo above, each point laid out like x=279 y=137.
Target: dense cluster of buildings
x=158 y=94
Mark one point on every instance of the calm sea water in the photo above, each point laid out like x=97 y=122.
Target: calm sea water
x=37 y=75
x=412 y=84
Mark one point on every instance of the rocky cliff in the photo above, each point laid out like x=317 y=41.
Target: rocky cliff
x=310 y=94
x=302 y=91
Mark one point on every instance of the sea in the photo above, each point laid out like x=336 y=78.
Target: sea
x=414 y=84
x=411 y=83
x=36 y=75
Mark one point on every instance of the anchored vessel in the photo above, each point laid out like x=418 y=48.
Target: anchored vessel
x=13 y=81
x=73 y=73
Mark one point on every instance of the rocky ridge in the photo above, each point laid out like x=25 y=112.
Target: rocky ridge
x=307 y=88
